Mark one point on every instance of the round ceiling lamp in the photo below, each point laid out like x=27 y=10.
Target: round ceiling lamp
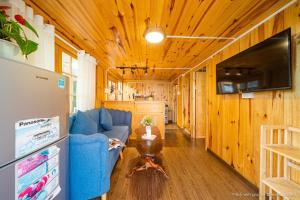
x=154 y=35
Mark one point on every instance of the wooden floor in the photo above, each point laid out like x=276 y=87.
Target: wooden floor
x=194 y=174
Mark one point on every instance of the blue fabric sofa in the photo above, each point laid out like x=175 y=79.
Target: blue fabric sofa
x=91 y=163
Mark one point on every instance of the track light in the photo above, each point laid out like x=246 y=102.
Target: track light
x=239 y=73
x=133 y=69
x=227 y=73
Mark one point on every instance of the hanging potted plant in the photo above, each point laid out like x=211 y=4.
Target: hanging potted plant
x=13 y=37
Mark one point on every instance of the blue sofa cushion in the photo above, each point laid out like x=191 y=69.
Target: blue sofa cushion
x=83 y=124
x=119 y=132
x=95 y=115
x=106 y=120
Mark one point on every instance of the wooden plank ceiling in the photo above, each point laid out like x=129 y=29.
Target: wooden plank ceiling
x=112 y=31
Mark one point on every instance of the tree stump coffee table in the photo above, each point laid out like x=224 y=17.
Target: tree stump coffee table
x=148 y=149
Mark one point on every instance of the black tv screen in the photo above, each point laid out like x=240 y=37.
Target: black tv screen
x=265 y=66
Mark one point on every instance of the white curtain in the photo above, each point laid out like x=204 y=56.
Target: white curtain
x=86 y=82
x=45 y=54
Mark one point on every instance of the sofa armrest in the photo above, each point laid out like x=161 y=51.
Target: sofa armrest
x=89 y=166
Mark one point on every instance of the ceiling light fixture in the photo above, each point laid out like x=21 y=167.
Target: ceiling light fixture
x=227 y=73
x=154 y=35
x=133 y=69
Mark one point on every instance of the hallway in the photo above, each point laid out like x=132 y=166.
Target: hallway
x=194 y=174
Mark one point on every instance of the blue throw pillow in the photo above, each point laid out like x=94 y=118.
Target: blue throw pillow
x=105 y=119
x=83 y=124
x=94 y=115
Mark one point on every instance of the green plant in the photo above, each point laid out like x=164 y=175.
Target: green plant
x=12 y=31
x=147 y=121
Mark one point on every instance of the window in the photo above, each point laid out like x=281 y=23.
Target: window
x=70 y=69
x=120 y=90
x=112 y=90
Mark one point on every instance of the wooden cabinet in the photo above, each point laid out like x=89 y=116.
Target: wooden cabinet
x=139 y=110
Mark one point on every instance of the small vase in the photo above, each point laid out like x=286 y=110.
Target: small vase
x=148 y=131
x=8 y=49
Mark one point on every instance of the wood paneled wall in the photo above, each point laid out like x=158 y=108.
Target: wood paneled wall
x=179 y=103
x=186 y=101
x=100 y=86
x=160 y=89
x=183 y=102
x=172 y=105
x=200 y=104
x=191 y=103
x=234 y=123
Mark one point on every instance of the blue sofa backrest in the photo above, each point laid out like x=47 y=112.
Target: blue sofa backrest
x=119 y=118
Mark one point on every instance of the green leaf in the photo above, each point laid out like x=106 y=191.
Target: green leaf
x=31 y=28
x=30 y=46
x=26 y=46
x=15 y=28
x=11 y=31
x=2 y=19
x=20 y=41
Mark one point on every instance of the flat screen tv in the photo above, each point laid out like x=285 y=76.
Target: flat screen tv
x=265 y=66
